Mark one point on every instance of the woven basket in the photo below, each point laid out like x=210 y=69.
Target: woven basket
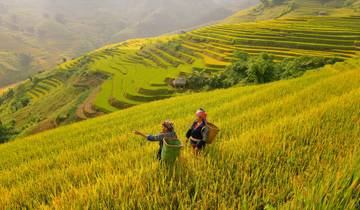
x=213 y=131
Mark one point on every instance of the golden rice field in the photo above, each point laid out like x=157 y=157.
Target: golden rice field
x=291 y=144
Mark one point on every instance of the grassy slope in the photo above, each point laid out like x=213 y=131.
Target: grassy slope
x=289 y=144
x=138 y=68
x=298 y=8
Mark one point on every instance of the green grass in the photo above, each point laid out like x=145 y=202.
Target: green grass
x=300 y=8
x=291 y=144
x=44 y=87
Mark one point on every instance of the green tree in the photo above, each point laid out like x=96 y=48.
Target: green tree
x=295 y=67
x=5 y=133
x=262 y=69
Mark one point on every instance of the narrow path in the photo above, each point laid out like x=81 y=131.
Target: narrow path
x=86 y=110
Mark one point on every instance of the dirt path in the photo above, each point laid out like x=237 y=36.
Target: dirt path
x=86 y=109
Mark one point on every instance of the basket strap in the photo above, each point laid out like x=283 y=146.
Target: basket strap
x=173 y=146
x=194 y=139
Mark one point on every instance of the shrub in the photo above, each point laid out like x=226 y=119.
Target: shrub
x=6 y=132
x=296 y=67
x=175 y=45
x=20 y=103
x=7 y=96
x=256 y=70
x=262 y=69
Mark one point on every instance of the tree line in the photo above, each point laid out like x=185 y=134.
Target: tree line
x=256 y=70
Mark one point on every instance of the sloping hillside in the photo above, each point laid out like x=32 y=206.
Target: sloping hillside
x=49 y=31
x=141 y=70
x=286 y=145
x=295 y=8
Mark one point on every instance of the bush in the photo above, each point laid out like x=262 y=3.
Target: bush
x=256 y=70
x=20 y=103
x=175 y=45
x=348 y=3
x=196 y=80
x=296 y=67
x=6 y=133
x=7 y=96
x=262 y=69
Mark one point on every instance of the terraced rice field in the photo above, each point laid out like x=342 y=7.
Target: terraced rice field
x=136 y=65
x=320 y=36
x=44 y=87
x=280 y=147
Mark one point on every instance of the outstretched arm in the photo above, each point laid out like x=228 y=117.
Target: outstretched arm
x=150 y=137
x=140 y=134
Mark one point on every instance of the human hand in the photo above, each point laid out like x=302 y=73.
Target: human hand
x=137 y=132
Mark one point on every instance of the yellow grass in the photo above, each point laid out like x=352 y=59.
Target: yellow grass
x=291 y=144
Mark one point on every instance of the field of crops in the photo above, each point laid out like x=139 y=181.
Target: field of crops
x=292 y=144
x=140 y=69
x=296 y=8
x=44 y=87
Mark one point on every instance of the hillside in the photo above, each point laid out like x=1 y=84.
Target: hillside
x=47 y=31
x=286 y=145
x=295 y=8
x=137 y=71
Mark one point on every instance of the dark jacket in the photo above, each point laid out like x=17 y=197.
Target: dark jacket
x=198 y=135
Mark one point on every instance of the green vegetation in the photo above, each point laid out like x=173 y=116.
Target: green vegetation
x=214 y=48
x=47 y=100
x=6 y=132
x=280 y=147
x=256 y=70
x=291 y=68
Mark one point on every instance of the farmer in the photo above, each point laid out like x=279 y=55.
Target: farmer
x=167 y=133
x=198 y=133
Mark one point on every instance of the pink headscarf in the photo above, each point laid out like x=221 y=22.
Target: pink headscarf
x=201 y=113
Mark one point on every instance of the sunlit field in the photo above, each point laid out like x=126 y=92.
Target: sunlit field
x=292 y=144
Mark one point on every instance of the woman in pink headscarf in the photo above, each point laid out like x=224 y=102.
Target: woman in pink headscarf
x=198 y=133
